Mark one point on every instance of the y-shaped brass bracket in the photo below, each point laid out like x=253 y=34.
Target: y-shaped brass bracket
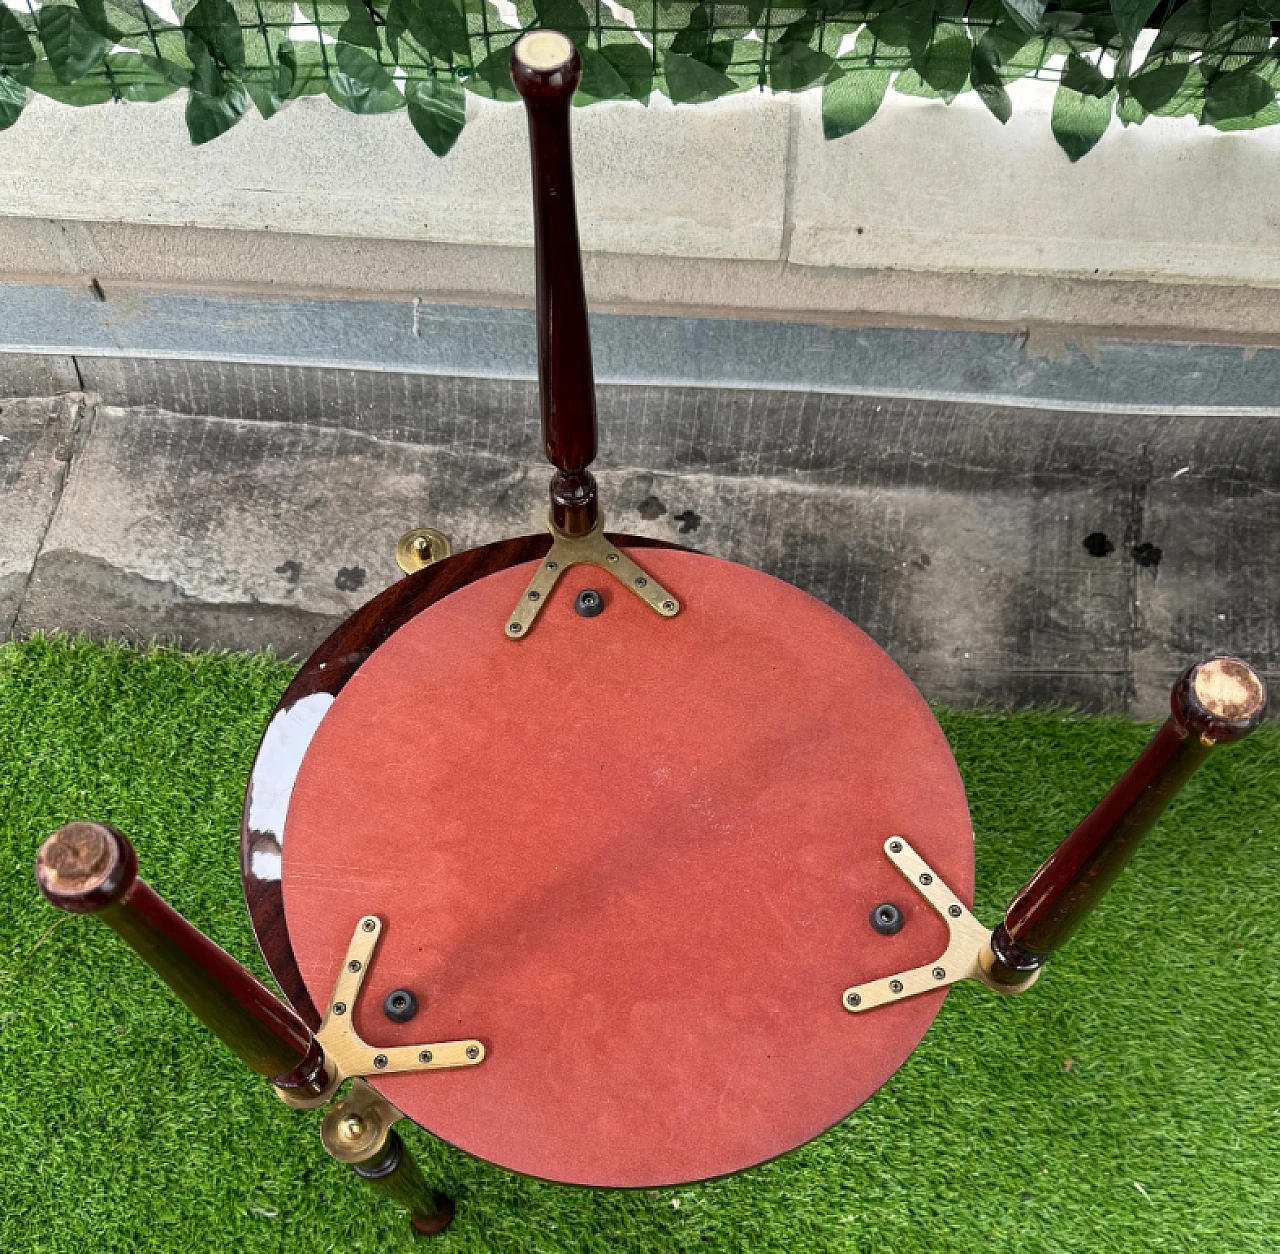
x=967 y=956
x=594 y=550
x=347 y=1055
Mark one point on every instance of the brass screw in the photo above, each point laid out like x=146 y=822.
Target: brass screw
x=473 y=1051
x=354 y=965
x=895 y=986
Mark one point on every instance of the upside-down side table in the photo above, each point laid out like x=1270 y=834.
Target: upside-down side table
x=607 y=861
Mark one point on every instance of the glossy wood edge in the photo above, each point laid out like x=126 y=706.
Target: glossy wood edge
x=293 y=721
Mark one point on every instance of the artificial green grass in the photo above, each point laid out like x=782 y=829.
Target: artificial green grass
x=1128 y=1103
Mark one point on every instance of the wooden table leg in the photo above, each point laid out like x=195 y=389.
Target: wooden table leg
x=395 y=1175
x=90 y=868
x=358 y=1131
x=546 y=69
x=1213 y=703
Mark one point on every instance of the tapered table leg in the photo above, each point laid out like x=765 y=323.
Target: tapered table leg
x=358 y=1131
x=90 y=868
x=1213 y=703
x=546 y=70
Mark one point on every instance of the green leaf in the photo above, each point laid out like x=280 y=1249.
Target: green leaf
x=1131 y=16
x=13 y=99
x=986 y=79
x=1007 y=51
x=1187 y=27
x=213 y=27
x=794 y=63
x=1239 y=102
x=359 y=27
x=692 y=82
x=359 y=84
x=269 y=86
x=851 y=98
x=695 y=41
x=634 y=64
x=566 y=16
x=71 y=44
x=903 y=25
x=43 y=78
x=492 y=76
x=15 y=45
x=141 y=79
x=943 y=61
x=1079 y=121
x=211 y=116
x=438 y=111
x=1130 y=112
x=1027 y=13
x=438 y=25
x=94 y=13
x=1087 y=79
x=600 y=81
x=1154 y=88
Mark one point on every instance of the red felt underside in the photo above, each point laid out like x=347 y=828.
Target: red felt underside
x=636 y=858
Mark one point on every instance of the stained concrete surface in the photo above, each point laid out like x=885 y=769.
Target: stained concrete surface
x=1001 y=555
x=36 y=437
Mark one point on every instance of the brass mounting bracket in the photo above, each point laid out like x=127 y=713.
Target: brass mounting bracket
x=356 y=1128
x=346 y=1054
x=967 y=956
x=592 y=550
x=421 y=547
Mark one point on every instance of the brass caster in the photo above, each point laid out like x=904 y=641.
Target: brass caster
x=423 y=546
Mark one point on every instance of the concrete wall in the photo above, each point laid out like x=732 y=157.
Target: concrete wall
x=928 y=213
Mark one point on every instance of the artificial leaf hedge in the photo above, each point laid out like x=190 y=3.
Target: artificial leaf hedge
x=1211 y=59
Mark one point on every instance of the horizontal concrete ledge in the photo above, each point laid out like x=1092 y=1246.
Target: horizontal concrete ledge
x=924 y=186
x=1013 y=556
x=282 y=263
x=1059 y=369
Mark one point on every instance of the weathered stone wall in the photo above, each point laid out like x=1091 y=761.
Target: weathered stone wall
x=1003 y=554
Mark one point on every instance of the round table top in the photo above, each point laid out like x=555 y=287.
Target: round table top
x=636 y=857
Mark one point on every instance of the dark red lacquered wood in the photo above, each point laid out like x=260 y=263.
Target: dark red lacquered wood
x=322 y=676
x=1212 y=703
x=90 y=868
x=396 y=1175
x=565 y=379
